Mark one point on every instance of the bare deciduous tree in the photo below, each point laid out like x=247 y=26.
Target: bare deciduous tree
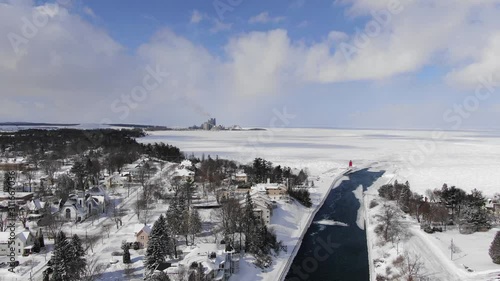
x=389 y=224
x=93 y=270
x=411 y=267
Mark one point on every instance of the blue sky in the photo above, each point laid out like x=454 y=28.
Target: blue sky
x=342 y=63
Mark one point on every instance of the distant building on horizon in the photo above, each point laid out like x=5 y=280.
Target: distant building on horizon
x=212 y=122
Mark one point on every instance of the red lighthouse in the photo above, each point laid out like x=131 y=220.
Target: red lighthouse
x=350 y=163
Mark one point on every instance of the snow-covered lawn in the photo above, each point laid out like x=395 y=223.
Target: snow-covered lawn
x=471 y=251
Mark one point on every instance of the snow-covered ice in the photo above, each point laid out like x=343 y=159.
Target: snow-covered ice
x=465 y=159
x=331 y=223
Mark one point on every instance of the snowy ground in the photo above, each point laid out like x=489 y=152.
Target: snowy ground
x=464 y=159
x=471 y=251
x=426 y=159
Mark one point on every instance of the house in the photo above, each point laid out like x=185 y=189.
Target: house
x=141 y=233
x=115 y=180
x=275 y=191
x=241 y=177
x=243 y=189
x=33 y=206
x=263 y=207
x=98 y=191
x=206 y=262
x=22 y=245
x=184 y=174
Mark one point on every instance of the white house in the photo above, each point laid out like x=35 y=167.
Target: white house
x=23 y=243
x=241 y=177
x=206 y=262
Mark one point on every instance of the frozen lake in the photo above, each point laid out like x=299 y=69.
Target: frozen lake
x=426 y=159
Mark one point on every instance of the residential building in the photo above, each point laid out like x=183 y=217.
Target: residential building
x=206 y=262
x=241 y=177
x=275 y=191
x=23 y=243
x=142 y=232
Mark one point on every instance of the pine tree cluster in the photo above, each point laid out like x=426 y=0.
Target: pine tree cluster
x=68 y=258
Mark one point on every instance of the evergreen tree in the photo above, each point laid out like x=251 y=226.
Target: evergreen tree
x=78 y=262
x=250 y=223
x=76 y=242
x=184 y=224
x=404 y=198
x=174 y=221
x=495 y=249
x=194 y=224
x=6 y=182
x=40 y=238
x=36 y=246
x=126 y=252
x=474 y=212
x=61 y=259
x=157 y=246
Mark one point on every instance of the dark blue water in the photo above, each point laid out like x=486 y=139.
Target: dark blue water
x=336 y=253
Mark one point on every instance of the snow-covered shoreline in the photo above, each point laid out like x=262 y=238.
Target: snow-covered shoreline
x=317 y=207
x=368 y=224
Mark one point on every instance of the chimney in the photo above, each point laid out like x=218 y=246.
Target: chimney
x=268 y=180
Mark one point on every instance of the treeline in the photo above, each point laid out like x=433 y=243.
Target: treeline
x=448 y=205
x=63 y=143
x=261 y=170
x=48 y=145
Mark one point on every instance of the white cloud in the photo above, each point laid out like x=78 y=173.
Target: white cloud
x=265 y=18
x=485 y=67
x=88 y=11
x=220 y=26
x=66 y=60
x=337 y=36
x=77 y=69
x=196 y=17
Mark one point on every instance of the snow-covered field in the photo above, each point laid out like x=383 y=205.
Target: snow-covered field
x=426 y=159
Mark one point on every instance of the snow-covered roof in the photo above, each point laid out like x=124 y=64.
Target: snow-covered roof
x=186 y=163
x=184 y=172
x=142 y=227
x=34 y=205
x=17 y=195
x=4 y=237
x=208 y=267
x=23 y=236
x=267 y=186
x=241 y=174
